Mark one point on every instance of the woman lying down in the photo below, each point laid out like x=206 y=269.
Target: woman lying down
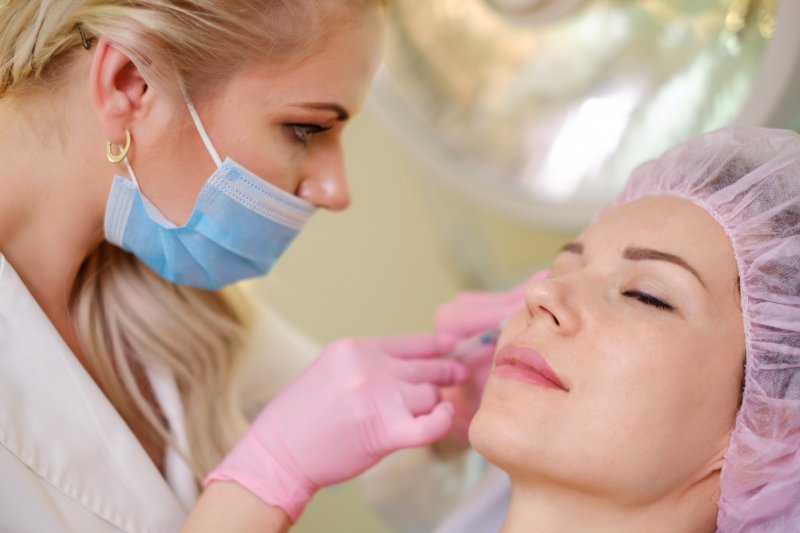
x=651 y=383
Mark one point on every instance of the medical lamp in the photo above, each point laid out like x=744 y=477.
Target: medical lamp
x=530 y=114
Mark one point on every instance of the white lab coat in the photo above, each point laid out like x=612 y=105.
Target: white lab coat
x=68 y=461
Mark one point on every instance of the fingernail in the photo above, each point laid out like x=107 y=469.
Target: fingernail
x=446 y=341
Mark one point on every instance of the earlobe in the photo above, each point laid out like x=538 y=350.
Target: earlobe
x=117 y=90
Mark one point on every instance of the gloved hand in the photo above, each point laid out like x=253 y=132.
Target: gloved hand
x=467 y=315
x=360 y=400
x=472 y=312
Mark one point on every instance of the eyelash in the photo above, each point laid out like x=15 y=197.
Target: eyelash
x=649 y=299
x=301 y=132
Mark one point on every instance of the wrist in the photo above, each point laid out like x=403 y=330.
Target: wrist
x=226 y=506
x=252 y=467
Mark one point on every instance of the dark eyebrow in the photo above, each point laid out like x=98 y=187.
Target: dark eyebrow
x=647 y=254
x=572 y=247
x=341 y=113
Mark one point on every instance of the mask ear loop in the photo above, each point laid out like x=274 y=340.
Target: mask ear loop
x=131 y=172
x=200 y=129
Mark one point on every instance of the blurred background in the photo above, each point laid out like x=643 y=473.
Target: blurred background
x=494 y=132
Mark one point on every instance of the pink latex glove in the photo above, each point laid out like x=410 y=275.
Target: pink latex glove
x=360 y=400
x=469 y=314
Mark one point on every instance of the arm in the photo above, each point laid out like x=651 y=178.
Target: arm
x=276 y=353
x=226 y=506
x=411 y=490
x=359 y=401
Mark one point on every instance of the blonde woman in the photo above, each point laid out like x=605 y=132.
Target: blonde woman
x=153 y=152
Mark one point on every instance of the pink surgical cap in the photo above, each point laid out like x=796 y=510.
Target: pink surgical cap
x=748 y=179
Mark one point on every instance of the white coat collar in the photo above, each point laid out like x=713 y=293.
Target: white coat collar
x=55 y=419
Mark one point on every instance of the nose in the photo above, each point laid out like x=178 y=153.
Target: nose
x=549 y=301
x=325 y=184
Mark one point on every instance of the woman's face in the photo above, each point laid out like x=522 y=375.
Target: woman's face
x=640 y=322
x=282 y=121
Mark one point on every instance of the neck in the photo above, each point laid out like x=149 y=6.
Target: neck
x=51 y=210
x=547 y=509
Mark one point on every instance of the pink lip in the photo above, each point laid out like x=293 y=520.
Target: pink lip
x=526 y=364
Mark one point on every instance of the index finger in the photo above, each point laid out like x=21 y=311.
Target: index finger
x=462 y=323
x=412 y=346
x=472 y=312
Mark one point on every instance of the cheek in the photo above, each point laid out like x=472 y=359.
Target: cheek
x=714 y=385
x=262 y=147
x=172 y=166
x=697 y=370
x=272 y=160
x=628 y=395
x=662 y=410
x=650 y=381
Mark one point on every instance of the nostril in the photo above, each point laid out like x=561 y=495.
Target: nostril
x=547 y=311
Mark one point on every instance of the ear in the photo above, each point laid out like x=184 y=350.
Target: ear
x=118 y=90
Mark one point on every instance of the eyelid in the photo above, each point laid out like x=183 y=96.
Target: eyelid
x=316 y=128
x=309 y=131
x=645 y=295
x=647 y=298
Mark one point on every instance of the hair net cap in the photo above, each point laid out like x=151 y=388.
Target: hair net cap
x=748 y=179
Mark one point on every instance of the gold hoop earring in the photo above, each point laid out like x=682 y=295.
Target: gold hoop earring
x=116 y=158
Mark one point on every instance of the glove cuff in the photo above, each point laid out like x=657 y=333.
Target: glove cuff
x=262 y=475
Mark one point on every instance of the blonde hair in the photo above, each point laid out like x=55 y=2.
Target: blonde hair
x=201 y=42
x=127 y=317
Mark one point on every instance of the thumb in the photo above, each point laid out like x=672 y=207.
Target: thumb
x=480 y=358
x=425 y=429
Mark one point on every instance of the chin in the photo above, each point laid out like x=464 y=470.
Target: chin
x=478 y=433
x=494 y=435
x=504 y=434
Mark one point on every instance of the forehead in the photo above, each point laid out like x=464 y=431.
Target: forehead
x=339 y=69
x=667 y=224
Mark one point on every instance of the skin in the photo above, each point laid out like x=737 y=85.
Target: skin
x=637 y=441
x=56 y=186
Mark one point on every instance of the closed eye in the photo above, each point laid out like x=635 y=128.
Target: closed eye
x=648 y=299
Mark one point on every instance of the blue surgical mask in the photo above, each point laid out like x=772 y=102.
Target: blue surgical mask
x=240 y=225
